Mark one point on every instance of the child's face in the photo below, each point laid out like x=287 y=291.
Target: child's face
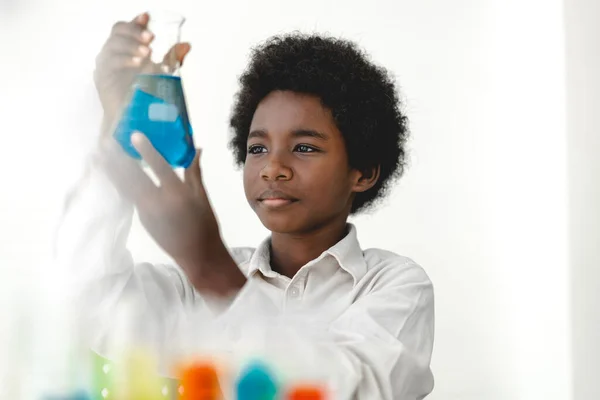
x=296 y=175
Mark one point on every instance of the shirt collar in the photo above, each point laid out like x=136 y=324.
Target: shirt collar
x=347 y=252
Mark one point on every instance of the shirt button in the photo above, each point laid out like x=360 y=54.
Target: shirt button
x=294 y=292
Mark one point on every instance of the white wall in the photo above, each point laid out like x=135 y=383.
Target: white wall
x=483 y=206
x=583 y=94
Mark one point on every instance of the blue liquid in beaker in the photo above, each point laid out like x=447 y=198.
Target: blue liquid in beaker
x=157 y=109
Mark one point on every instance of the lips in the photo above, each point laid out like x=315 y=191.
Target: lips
x=275 y=195
x=276 y=199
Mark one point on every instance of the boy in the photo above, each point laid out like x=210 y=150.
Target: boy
x=320 y=135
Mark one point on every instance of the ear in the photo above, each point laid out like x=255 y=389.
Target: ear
x=366 y=179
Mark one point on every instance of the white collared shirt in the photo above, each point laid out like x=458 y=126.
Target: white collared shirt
x=361 y=320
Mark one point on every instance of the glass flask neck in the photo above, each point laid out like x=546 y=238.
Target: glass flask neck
x=166 y=27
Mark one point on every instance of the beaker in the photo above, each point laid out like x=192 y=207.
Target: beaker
x=155 y=105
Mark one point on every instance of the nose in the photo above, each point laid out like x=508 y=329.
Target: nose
x=276 y=170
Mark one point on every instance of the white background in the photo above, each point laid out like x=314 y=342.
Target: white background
x=502 y=181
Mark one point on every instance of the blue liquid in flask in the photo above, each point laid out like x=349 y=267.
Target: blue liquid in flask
x=157 y=109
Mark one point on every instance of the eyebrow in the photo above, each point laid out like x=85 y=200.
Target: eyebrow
x=298 y=133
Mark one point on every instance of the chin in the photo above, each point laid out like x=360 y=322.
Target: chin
x=286 y=222
x=281 y=223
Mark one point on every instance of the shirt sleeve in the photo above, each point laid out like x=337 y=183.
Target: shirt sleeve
x=91 y=246
x=378 y=348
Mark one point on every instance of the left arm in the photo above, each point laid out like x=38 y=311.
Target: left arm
x=177 y=214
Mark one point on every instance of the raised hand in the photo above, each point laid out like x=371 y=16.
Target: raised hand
x=125 y=54
x=176 y=213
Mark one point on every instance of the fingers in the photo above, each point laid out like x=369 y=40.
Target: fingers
x=119 y=63
x=125 y=173
x=127 y=46
x=192 y=174
x=110 y=62
x=132 y=30
x=141 y=20
x=160 y=167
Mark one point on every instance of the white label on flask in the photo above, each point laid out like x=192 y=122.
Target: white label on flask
x=163 y=112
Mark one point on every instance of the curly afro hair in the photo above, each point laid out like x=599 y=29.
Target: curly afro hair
x=361 y=96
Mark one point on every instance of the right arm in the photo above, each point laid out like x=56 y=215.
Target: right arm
x=176 y=214
x=91 y=245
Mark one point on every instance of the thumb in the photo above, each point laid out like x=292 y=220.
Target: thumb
x=193 y=174
x=181 y=51
x=177 y=54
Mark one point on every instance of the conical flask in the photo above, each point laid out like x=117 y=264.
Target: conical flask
x=156 y=103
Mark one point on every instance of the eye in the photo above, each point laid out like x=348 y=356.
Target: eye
x=303 y=148
x=256 y=149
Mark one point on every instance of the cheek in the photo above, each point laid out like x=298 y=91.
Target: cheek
x=329 y=186
x=248 y=178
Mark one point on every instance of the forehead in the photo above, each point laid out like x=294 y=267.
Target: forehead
x=283 y=111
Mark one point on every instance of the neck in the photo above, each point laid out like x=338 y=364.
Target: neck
x=291 y=251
